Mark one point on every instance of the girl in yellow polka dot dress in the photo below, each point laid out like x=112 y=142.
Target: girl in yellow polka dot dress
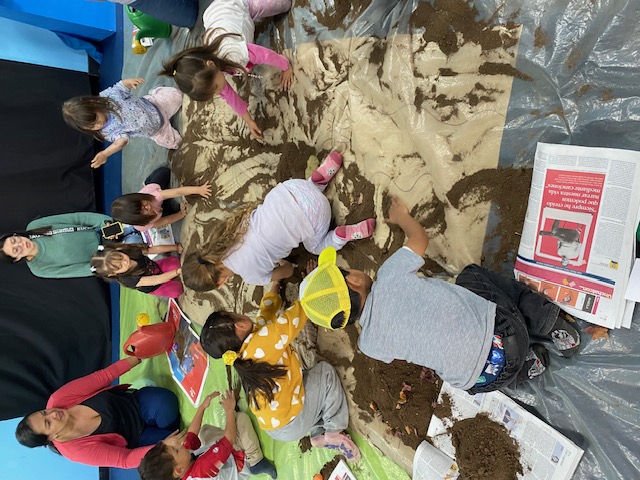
x=287 y=404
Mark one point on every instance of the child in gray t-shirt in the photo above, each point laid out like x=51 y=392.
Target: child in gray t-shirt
x=474 y=334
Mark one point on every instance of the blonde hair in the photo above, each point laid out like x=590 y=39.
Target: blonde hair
x=200 y=270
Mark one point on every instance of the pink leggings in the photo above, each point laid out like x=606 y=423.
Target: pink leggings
x=267 y=8
x=173 y=288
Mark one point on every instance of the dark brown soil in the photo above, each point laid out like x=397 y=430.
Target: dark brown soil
x=540 y=39
x=305 y=444
x=328 y=467
x=484 y=449
x=443 y=409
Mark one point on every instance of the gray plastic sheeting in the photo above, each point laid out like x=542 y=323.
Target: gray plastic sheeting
x=584 y=90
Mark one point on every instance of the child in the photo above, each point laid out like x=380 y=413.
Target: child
x=129 y=266
x=172 y=458
x=228 y=49
x=117 y=114
x=475 y=334
x=253 y=240
x=144 y=209
x=287 y=404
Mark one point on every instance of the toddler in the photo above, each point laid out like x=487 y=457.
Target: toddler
x=228 y=49
x=116 y=115
x=144 y=209
x=221 y=456
x=129 y=266
x=252 y=241
x=474 y=334
x=287 y=404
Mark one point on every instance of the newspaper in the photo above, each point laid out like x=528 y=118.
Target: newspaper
x=545 y=453
x=158 y=236
x=188 y=361
x=578 y=239
x=342 y=472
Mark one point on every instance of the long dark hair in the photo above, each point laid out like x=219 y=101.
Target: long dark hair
x=27 y=437
x=81 y=113
x=258 y=378
x=102 y=261
x=128 y=209
x=191 y=73
x=4 y=258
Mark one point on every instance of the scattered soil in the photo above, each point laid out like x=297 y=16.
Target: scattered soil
x=508 y=190
x=328 y=467
x=449 y=23
x=305 y=444
x=607 y=95
x=484 y=449
x=443 y=409
x=540 y=39
x=583 y=90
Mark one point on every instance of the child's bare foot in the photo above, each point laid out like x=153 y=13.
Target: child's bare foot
x=338 y=441
x=328 y=169
x=358 y=231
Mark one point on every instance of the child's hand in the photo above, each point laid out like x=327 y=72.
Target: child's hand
x=184 y=207
x=179 y=248
x=255 y=131
x=99 y=160
x=228 y=401
x=286 y=79
x=397 y=211
x=132 y=83
x=311 y=266
x=176 y=439
x=204 y=190
x=287 y=269
x=207 y=400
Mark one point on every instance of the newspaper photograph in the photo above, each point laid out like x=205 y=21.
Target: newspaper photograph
x=188 y=361
x=545 y=453
x=578 y=237
x=429 y=463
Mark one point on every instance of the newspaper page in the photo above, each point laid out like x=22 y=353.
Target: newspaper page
x=158 y=236
x=429 y=463
x=545 y=453
x=188 y=361
x=579 y=231
x=342 y=472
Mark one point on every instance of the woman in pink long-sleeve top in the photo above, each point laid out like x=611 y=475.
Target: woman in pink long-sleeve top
x=92 y=422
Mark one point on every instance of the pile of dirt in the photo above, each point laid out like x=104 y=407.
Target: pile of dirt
x=484 y=449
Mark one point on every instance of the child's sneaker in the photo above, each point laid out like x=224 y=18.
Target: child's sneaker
x=328 y=169
x=338 y=441
x=535 y=363
x=264 y=466
x=358 y=231
x=565 y=337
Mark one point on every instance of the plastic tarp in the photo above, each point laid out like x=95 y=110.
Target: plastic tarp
x=422 y=97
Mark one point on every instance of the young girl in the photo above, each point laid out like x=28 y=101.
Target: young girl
x=129 y=266
x=117 y=114
x=144 y=209
x=252 y=241
x=287 y=405
x=229 y=49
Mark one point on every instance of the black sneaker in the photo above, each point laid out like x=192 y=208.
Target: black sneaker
x=535 y=363
x=264 y=466
x=565 y=337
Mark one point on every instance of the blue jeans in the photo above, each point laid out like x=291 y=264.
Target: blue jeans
x=182 y=13
x=159 y=410
x=519 y=312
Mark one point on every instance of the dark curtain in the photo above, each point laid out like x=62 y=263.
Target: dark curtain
x=51 y=331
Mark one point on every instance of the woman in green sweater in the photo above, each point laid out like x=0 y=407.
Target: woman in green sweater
x=58 y=246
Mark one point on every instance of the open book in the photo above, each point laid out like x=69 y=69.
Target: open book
x=545 y=453
x=579 y=232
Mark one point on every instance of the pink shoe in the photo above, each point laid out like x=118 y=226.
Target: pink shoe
x=358 y=231
x=338 y=441
x=328 y=169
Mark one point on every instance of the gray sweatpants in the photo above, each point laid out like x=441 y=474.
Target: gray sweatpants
x=325 y=406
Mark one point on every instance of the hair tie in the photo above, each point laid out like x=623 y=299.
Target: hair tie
x=201 y=260
x=174 y=73
x=93 y=269
x=101 y=248
x=229 y=357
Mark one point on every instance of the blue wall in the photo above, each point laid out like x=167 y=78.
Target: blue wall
x=21 y=463
x=29 y=44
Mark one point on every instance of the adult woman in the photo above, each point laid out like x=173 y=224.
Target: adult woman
x=91 y=422
x=58 y=246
